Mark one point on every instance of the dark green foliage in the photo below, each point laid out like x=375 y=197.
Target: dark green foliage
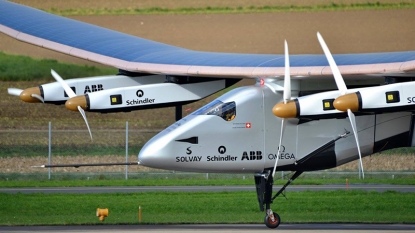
x=239 y=9
x=22 y=68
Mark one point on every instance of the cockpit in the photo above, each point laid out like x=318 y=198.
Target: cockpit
x=226 y=111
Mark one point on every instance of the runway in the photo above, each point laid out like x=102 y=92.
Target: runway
x=133 y=189
x=218 y=228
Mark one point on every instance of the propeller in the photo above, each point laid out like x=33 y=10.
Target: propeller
x=71 y=94
x=341 y=85
x=31 y=95
x=14 y=91
x=286 y=98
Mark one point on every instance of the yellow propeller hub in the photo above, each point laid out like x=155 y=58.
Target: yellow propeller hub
x=73 y=103
x=348 y=101
x=288 y=110
x=26 y=95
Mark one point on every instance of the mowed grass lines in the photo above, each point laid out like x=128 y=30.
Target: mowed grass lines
x=230 y=9
x=202 y=207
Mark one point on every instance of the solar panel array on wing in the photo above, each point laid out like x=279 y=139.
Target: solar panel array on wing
x=129 y=48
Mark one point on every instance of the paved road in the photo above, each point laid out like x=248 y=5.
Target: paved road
x=217 y=228
x=129 y=189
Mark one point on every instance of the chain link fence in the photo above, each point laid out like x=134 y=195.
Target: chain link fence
x=22 y=149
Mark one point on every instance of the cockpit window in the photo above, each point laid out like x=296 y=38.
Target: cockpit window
x=226 y=111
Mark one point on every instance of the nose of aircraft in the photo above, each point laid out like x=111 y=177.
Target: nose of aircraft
x=161 y=150
x=151 y=153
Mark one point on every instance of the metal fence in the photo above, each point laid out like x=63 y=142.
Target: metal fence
x=22 y=149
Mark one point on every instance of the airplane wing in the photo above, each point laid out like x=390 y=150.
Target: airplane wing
x=136 y=54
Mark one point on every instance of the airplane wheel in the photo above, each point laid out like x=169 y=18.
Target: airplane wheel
x=272 y=224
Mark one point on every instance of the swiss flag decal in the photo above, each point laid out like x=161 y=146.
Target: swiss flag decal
x=248 y=125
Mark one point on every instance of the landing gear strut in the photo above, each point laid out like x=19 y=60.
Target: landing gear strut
x=264 y=183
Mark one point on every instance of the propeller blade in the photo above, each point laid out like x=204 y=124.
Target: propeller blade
x=334 y=69
x=65 y=86
x=38 y=97
x=287 y=97
x=86 y=121
x=71 y=94
x=14 y=91
x=279 y=146
x=343 y=90
x=353 y=123
x=287 y=80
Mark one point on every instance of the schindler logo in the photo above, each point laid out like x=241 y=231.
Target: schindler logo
x=222 y=157
x=222 y=150
x=140 y=93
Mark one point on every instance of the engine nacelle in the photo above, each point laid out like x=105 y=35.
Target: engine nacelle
x=315 y=106
x=386 y=98
x=54 y=93
x=378 y=99
x=147 y=96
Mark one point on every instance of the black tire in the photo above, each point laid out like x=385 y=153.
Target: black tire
x=272 y=224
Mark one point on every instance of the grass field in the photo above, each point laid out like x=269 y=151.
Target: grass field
x=201 y=207
x=78 y=7
x=191 y=179
x=24 y=68
x=233 y=10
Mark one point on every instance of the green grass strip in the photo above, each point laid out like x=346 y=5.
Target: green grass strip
x=239 y=9
x=203 y=207
x=10 y=180
x=23 y=68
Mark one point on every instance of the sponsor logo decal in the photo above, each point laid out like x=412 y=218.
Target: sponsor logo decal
x=188 y=159
x=222 y=151
x=188 y=151
x=245 y=125
x=411 y=100
x=93 y=88
x=252 y=155
x=140 y=94
x=283 y=155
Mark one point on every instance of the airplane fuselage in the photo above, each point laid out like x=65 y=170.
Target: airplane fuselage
x=238 y=133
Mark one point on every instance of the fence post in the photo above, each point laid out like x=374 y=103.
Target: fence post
x=126 y=150
x=49 y=148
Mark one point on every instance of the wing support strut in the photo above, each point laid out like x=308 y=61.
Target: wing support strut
x=86 y=165
x=178 y=112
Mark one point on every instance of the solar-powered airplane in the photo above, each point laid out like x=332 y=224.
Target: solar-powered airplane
x=295 y=118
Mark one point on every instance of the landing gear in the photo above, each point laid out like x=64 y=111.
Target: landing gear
x=272 y=220
x=264 y=183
